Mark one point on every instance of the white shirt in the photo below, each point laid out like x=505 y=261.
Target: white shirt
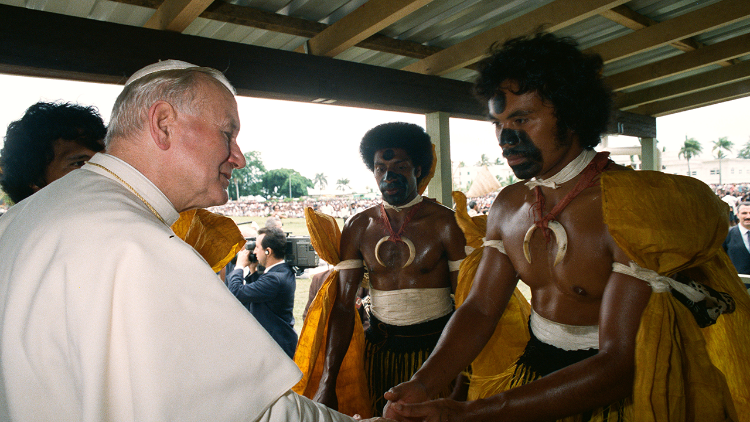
x=743 y=233
x=106 y=315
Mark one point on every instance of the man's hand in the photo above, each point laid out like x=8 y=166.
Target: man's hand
x=406 y=392
x=243 y=258
x=359 y=418
x=441 y=410
x=327 y=397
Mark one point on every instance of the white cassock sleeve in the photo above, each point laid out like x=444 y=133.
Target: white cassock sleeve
x=293 y=407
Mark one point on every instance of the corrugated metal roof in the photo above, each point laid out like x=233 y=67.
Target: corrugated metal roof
x=439 y=24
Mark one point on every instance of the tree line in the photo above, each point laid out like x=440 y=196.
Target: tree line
x=254 y=179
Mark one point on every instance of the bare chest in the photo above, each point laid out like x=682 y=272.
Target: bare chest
x=572 y=257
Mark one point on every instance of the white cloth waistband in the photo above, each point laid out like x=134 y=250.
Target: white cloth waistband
x=563 y=336
x=410 y=306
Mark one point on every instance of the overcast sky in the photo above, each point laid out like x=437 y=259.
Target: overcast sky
x=315 y=138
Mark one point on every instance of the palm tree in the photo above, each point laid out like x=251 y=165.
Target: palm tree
x=723 y=144
x=320 y=180
x=483 y=161
x=690 y=149
x=342 y=184
x=745 y=151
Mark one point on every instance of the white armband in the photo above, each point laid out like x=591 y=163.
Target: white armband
x=497 y=244
x=349 y=264
x=454 y=265
x=658 y=283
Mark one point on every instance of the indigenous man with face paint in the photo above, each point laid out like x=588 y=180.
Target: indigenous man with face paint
x=411 y=247
x=549 y=106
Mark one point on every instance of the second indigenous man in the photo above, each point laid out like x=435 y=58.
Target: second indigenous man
x=549 y=106
x=411 y=247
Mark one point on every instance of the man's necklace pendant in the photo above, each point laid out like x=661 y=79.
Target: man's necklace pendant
x=594 y=165
x=397 y=236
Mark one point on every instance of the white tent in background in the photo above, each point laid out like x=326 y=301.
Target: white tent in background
x=483 y=184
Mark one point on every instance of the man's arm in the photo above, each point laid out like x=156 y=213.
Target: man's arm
x=466 y=333
x=264 y=289
x=589 y=384
x=454 y=243
x=341 y=321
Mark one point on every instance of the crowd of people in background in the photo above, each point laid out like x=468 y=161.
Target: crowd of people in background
x=345 y=208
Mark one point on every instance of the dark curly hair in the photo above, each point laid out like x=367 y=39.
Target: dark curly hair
x=274 y=238
x=559 y=72
x=29 y=143
x=407 y=136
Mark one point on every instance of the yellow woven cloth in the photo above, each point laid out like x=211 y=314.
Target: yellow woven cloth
x=488 y=371
x=214 y=236
x=670 y=224
x=667 y=224
x=351 y=385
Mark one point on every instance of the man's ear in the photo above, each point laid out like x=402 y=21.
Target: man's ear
x=417 y=171
x=162 y=117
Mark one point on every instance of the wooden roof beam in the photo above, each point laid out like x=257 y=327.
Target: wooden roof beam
x=710 y=54
x=555 y=15
x=683 y=86
x=628 y=18
x=255 y=18
x=363 y=22
x=176 y=15
x=664 y=33
x=715 y=95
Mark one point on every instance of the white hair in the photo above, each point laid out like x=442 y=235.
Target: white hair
x=172 y=81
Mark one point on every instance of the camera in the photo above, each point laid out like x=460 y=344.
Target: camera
x=300 y=253
x=250 y=246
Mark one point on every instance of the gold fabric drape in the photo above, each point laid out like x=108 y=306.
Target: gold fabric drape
x=351 y=386
x=667 y=224
x=489 y=370
x=672 y=224
x=215 y=237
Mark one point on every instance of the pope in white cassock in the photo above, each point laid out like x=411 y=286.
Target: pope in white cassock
x=105 y=314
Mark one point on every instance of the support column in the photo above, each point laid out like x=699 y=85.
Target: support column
x=649 y=155
x=441 y=185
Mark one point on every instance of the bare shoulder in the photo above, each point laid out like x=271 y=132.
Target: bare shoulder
x=510 y=197
x=438 y=210
x=359 y=222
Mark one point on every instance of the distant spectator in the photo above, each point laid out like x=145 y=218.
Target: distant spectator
x=473 y=208
x=274 y=222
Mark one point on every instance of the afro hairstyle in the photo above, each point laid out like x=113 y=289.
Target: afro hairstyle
x=408 y=136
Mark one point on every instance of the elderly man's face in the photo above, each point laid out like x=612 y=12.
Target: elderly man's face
x=208 y=138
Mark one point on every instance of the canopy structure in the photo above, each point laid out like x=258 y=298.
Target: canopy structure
x=484 y=183
x=418 y=56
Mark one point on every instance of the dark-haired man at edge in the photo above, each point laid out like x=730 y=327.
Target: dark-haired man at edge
x=549 y=106
x=411 y=247
x=48 y=142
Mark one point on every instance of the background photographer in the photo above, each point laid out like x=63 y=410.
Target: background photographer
x=270 y=298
